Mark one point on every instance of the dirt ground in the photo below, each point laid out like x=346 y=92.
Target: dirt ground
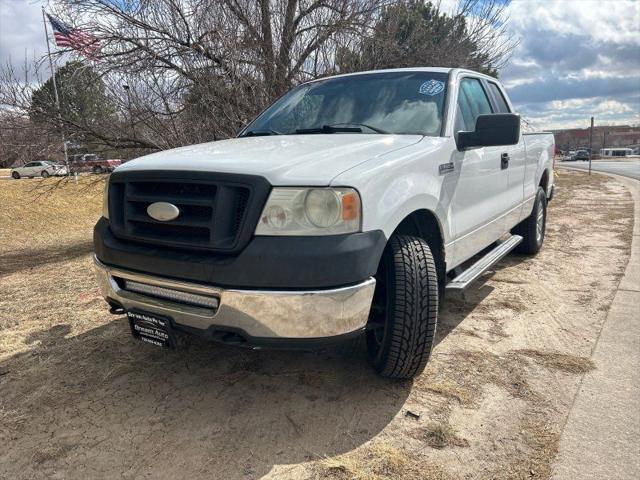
x=79 y=398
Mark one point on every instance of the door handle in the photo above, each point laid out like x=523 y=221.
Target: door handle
x=504 y=161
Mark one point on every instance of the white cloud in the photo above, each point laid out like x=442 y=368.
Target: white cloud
x=576 y=58
x=573 y=103
x=21 y=31
x=576 y=112
x=613 y=107
x=609 y=21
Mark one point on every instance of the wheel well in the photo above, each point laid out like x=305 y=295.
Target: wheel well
x=544 y=181
x=424 y=224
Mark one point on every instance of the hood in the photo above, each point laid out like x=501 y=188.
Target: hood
x=281 y=159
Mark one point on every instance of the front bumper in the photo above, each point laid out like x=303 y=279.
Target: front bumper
x=265 y=263
x=256 y=316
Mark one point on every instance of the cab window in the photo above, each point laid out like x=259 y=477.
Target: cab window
x=472 y=102
x=501 y=103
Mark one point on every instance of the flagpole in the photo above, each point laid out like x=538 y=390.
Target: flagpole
x=55 y=91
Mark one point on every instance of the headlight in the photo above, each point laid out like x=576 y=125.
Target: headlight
x=105 y=200
x=310 y=211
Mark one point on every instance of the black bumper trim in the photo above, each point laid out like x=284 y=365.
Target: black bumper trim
x=238 y=337
x=265 y=263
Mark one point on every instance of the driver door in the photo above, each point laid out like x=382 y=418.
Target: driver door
x=479 y=201
x=29 y=169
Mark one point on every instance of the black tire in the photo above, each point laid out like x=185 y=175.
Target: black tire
x=532 y=239
x=44 y=174
x=98 y=170
x=15 y=175
x=405 y=309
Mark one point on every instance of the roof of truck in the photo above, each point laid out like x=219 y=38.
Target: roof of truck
x=405 y=69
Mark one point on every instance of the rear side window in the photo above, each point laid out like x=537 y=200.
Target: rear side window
x=501 y=103
x=472 y=102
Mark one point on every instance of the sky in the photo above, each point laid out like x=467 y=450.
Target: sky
x=576 y=58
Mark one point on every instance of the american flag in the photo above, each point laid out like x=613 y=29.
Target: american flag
x=78 y=40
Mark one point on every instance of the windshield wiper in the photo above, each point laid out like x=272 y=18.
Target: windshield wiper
x=338 y=127
x=260 y=133
x=329 y=129
x=375 y=129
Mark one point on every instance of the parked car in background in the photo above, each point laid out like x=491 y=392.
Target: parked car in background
x=582 y=155
x=42 y=169
x=90 y=162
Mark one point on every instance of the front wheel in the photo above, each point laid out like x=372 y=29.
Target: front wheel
x=534 y=227
x=15 y=175
x=98 y=170
x=404 y=313
x=44 y=174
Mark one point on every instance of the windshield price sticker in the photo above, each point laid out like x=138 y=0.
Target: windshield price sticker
x=431 y=88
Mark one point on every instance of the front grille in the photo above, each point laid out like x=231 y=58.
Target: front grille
x=217 y=211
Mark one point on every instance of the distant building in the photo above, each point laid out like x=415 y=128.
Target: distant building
x=611 y=137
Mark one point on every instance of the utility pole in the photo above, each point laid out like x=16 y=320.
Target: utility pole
x=55 y=92
x=590 y=144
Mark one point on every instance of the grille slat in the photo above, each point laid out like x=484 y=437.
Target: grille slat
x=213 y=211
x=184 y=222
x=175 y=199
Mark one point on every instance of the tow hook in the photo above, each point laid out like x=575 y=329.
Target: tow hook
x=116 y=309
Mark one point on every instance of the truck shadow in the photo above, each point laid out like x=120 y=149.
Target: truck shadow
x=100 y=403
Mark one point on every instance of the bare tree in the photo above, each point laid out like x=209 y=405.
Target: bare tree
x=20 y=139
x=414 y=33
x=487 y=23
x=228 y=58
x=186 y=71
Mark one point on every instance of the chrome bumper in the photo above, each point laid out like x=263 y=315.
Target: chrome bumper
x=259 y=313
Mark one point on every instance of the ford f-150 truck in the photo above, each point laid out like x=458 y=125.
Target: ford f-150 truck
x=347 y=208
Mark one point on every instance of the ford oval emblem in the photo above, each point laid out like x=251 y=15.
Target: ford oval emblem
x=163 y=211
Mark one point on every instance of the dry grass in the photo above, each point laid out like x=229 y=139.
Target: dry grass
x=75 y=389
x=45 y=212
x=378 y=462
x=462 y=375
x=439 y=435
x=453 y=390
x=45 y=224
x=5 y=172
x=559 y=361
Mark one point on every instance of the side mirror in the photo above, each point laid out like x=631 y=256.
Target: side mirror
x=492 y=130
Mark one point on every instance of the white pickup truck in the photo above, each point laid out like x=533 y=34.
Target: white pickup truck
x=347 y=207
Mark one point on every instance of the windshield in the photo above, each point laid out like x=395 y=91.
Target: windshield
x=406 y=103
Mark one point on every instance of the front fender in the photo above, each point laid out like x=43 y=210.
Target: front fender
x=401 y=199
x=402 y=182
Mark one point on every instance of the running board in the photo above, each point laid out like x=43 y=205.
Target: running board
x=472 y=273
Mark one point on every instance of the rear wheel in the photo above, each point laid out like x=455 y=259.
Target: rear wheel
x=98 y=169
x=533 y=228
x=15 y=175
x=404 y=313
